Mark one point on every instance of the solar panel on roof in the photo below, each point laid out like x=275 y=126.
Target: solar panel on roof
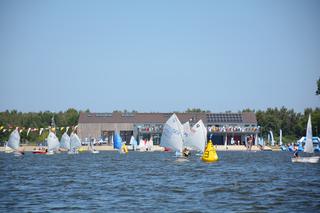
x=225 y=118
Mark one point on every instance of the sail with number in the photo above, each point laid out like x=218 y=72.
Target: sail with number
x=172 y=134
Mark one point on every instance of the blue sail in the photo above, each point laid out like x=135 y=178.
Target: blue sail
x=117 y=141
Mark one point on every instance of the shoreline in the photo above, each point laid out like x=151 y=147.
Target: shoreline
x=157 y=148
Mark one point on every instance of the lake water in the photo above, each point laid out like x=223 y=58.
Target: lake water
x=156 y=182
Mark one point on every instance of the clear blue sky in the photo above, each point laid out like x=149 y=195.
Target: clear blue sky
x=158 y=56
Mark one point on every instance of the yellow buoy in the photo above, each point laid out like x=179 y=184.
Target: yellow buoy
x=82 y=149
x=210 y=154
x=124 y=148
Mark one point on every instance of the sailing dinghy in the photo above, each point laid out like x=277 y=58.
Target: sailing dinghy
x=172 y=135
x=14 y=143
x=65 y=142
x=308 y=148
x=53 y=143
x=75 y=144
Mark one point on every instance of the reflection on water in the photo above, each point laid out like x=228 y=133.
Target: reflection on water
x=156 y=182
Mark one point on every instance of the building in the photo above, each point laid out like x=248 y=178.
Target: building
x=224 y=128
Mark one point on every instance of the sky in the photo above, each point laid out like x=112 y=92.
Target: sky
x=159 y=56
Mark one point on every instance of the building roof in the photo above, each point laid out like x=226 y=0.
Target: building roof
x=118 y=117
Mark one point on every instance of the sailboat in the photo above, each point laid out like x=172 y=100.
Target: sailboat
x=271 y=137
x=65 y=142
x=282 y=147
x=133 y=143
x=14 y=143
x=142 y=146
x=308 y=148
x=149 y=145
x=91 y=148
x=172 y=135
x=196 y=137
x=53 y=143
x=117 y=144
x=75 y=144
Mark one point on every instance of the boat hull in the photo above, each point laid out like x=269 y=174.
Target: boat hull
x=39 y=152
x=314 y=159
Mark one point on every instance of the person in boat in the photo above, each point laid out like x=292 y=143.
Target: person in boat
x=295 y=152
x=186 y=152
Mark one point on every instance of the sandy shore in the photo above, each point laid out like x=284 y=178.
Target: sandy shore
x=159 y=148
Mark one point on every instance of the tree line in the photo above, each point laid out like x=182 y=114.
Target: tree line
x=13 y=118
x=293 y=124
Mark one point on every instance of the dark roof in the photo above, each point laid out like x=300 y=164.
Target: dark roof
x=118 y=117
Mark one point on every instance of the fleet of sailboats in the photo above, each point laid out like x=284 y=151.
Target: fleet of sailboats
x=175 y=136
x=179 y=137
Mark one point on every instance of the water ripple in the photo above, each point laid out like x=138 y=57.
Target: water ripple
x=156 y=182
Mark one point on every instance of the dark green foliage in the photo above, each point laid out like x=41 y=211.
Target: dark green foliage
x=293 y=124
x=36 y=120
x=196 y=110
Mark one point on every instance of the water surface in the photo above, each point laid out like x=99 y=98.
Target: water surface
x=156 y=182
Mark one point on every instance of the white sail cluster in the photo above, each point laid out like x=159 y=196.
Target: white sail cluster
x=177 y=136
x=196 y=137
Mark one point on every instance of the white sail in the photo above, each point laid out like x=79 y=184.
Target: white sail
x=142 y=145
x=205 y=133
x=280 y=141
x=150 y=144
x=197 y=138
x=271 y=137
x=309 y=144
x=186 y=133
x=53 y=142
x=74 y=141
x=65 y=141
x=14 y=140
x=133 y=143
x=172 y=134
